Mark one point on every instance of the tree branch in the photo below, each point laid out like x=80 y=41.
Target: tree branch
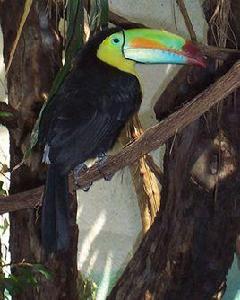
x=187 y=19
x=28 y=199
x=120 y=21
x=150 y=140
x=160 y=133
x=8 y=116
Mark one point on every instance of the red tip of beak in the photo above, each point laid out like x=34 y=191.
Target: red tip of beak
x=194 y=55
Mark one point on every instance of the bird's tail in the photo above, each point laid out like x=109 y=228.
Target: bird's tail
x=55 y=214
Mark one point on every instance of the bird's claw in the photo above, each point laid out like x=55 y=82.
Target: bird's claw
x=77 y=172
x=101 y=160
x=108 y=177
x=87 y=187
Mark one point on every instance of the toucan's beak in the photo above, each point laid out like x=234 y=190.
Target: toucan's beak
x=152 y=46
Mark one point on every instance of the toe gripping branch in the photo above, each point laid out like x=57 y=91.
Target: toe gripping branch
x=101 y=160
x=78 y=170
x=82 y=168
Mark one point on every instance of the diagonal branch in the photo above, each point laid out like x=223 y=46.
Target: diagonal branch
x=187 y=19
x=150 y=140
x=160 y=133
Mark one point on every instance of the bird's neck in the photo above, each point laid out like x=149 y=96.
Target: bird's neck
x=116 y=60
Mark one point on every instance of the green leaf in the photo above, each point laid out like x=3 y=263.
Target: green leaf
x=75 y=24
x=75 y=28
x=75 y=33
x=59 y=79
x=5 y=226
x=12 y=285
x=43 y=271
x=5 y=114
x=86 y=288
x=2 y=191
x=104 y=14
x=94 y=15
x=98 y=15
x=25 y=275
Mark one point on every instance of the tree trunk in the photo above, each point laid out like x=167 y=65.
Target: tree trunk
x=35 y=63
x=189 y=248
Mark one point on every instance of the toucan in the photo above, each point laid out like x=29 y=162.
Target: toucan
x=84 y=118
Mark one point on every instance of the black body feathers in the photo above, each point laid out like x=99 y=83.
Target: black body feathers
x=55 y=219
x=83 y=120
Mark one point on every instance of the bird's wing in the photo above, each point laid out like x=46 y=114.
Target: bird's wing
x=85 y=132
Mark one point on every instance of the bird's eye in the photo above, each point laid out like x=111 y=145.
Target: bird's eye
x=115 y=41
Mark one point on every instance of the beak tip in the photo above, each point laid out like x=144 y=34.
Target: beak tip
x=199 y=61
x=194 y=55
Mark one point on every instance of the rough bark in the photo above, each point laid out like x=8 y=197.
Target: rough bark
x=178 y=258
x=145 y=182
x=188 y=250
x=153 y=137
x=9 y=120
x=36 y=60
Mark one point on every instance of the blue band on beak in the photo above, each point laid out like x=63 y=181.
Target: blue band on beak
x=153 y=56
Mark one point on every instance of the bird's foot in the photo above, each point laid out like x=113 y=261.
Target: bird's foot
x=77 y=172
x=108 y=177
x=87 y=187
x=101 y=160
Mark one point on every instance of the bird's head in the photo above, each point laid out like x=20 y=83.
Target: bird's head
x=124 y=48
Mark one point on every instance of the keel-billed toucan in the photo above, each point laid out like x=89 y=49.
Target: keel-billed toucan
x=86 y=115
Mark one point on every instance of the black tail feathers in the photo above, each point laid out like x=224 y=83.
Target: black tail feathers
x=55 y=212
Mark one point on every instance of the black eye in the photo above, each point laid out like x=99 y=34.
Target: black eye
x=116 y=41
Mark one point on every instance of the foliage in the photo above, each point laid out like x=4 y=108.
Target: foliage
x=74 y=42
x=86 y=288
x=3 y=170
x=30 y=274
x=26 y=275
x=98 y=15
x=4 y=226
x=75 y=28
x=2 y=191
x=5 y=114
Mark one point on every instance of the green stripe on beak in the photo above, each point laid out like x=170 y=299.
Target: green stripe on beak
x=153 y=46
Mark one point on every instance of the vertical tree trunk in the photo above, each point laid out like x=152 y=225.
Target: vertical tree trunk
x=36 y=60
x=189 y=248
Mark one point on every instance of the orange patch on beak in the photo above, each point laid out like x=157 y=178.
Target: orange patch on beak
x=146 y=44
